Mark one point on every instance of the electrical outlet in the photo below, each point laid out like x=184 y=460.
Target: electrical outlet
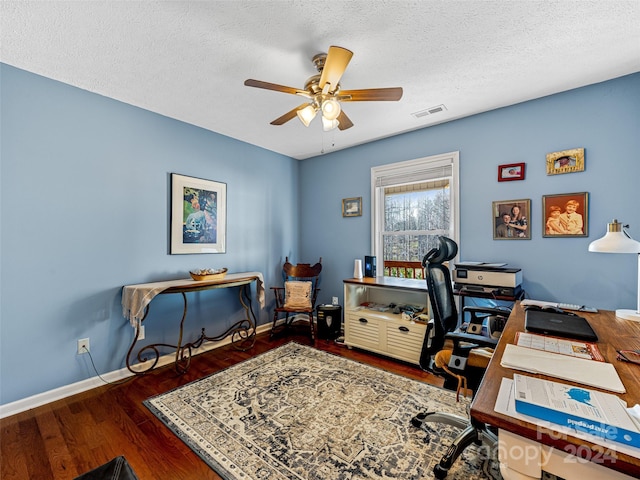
x=334 y=300
x=83 y=346
x=141 y=333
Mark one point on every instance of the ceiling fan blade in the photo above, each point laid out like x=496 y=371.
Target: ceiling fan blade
x=274 y=86
x=370 y=95
x=289 y=115
x=334 y=66
x=344 y=122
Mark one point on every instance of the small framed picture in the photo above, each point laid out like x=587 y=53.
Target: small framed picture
x=510 y=171
x=352 y=207
x=566 y=161
x=198 y=215
x=565 y=215
x=511 y=219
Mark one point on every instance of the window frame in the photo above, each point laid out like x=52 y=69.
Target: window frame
x=412 y=171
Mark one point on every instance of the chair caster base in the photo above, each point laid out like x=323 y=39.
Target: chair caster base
x=419 y=419
x=439 y=472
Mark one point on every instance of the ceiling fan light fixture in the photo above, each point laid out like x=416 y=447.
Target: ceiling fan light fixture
x=330 y=108
x=323 y=92
x=328 y=125
x=307 y=114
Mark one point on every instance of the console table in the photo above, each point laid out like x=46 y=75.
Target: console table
x=135 y=306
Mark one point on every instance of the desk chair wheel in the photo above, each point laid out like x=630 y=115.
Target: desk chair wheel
x=440 y=472
x=419 y=419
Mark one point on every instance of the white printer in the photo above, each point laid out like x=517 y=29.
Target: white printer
x=497 y=278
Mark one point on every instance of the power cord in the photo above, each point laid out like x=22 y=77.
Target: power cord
x=120 y=382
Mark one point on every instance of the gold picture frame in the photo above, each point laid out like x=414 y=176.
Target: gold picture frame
x=565 y=161
x=352 y=207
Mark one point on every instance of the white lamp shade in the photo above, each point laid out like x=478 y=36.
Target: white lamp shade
x=330 y=109
x=329 y=124
x=615 y=241
x=306 y=114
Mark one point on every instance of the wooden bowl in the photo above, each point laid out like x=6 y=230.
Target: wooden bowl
x=208 y=274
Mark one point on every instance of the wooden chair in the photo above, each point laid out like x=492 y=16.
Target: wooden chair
x=298 y=295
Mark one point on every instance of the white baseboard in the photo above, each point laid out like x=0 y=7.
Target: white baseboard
x=65 y=391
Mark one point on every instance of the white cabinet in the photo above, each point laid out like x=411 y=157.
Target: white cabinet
x=384 y=332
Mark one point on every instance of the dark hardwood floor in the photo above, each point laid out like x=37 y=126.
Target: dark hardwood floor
x=66 y=438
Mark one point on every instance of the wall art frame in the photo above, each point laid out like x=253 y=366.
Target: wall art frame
x=511 y=219
x=510 y=172
x=565 y=215
x=565 y=161
x=198 y=215
x=352 y=207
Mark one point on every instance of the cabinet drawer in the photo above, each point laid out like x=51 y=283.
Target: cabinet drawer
x=362 y=331
x=405 y=341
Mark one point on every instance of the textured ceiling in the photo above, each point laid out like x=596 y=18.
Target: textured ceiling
x=188 y=59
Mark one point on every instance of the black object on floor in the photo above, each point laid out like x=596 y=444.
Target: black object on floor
x=116 y=469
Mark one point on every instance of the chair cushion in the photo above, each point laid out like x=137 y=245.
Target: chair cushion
x=297 y=295
x=478 y=357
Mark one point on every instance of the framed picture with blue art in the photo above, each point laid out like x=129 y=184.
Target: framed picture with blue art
x=198 y=215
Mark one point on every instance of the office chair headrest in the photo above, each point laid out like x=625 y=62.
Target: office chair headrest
x=447 y=250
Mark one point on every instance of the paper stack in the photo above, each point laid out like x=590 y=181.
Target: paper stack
x=594 y=374
x=589 y=411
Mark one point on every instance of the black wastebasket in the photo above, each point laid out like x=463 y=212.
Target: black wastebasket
x=329 y=321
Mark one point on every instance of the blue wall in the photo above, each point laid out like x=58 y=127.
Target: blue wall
x=85 y=210
x=603 y=118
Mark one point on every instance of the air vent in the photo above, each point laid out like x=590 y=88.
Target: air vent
x=429 y=111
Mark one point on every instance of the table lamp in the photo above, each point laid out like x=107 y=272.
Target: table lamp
x=617 y=240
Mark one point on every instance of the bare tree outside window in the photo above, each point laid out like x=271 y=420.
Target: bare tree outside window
x=414 y=215
x=413 y=202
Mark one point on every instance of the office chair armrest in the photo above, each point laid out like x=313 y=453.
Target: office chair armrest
x=478 y=340
x=488 y=310
x=497 y=319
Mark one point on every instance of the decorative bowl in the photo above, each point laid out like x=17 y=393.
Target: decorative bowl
x=208 y=274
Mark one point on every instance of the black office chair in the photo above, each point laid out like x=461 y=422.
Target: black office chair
x=460 y=354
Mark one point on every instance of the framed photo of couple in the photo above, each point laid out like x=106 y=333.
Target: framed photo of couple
x=566 y=215
x=511 y=219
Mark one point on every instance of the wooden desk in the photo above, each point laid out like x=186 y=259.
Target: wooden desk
x=613 y=334
x=137 y=298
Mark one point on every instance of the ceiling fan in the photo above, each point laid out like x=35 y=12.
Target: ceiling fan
x=323 y=92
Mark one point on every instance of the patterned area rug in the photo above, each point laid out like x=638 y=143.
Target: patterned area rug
x=300 y=413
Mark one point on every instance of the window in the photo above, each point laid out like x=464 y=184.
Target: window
x=413 y=203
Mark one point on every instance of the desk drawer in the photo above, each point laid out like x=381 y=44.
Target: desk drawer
x=405 y=341
x=363 y=331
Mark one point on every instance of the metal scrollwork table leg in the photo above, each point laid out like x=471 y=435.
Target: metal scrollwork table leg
x=242 y=335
